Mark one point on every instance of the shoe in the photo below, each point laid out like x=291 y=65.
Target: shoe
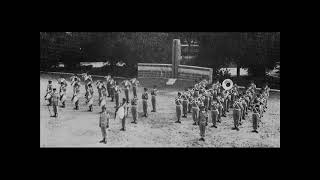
x=153 y=111
x=101 y=141
x=255 y=131
x=214 y=126
x=133 y=122
x=177 y=122
x=105 y=142
x=122 y=129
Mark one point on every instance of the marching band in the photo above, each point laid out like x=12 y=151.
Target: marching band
x=203 y=100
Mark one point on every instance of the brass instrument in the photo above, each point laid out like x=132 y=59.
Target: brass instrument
x=227 y=84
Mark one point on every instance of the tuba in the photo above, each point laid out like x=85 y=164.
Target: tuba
x=227 y=84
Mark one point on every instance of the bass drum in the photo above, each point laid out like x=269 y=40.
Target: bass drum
x=47 y=97
x=75 y=99
x=63 y=98
x=120 y=113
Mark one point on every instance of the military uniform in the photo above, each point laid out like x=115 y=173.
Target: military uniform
x=203 y=121
x=145 y=103
x=220 y=108
x=76 y=95
x=195 y=112
x=236 y=116
x=90 y=98
x=184 y=106
x=123 y=120
x=178 y=109
x=206 y=101
x=117 y=95
x=49 y=91
x=189 y=104
x=104 y=124
x=134 y=88
x=214 y=114
x=55 y=103
x=134 y=104
x=255 y=121
x=153 y=99
x=103 y=98
x=112 y=90
x=63 y=94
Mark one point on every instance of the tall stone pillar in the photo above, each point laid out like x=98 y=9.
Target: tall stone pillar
x=176 y=57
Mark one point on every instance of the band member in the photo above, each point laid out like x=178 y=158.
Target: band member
x=196 y=92
x=206 y=101
x=63 y=94
x=103 y=98
x=245 y=107
x=153 y=98
x=112 y=89
x=236 y=115
x=87 y=92
x=135 y=84
x=189 y=103
x=195 y=111
x=76 y=94
x=109 y=85
x=184 y=106
x=123 y=120
x=255 y=120
x=55 y=102
x=145 y=102
x=178 y=108
x=127 y=85
x=49 y=92
x=220 y=108
x=117 y=92
x=134 y=104
x=203 y=121
x=223 y=100
x=99 y=88
x=214 y=113
x=104 y=124
x=90 y=97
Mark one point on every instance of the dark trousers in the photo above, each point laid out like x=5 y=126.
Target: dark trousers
x=123 y=122
x=55 y=109
x=236 y=117
x=202 y=128
x=145 y=107
x=185 y=107
x=189 y=108
x=126 y=92
x=134 y=113
x=112 y=94
x=214 y=116
x=178 y=111
x=104 y=132
x=195 y=114
x=134 y=89
x=116 y=95
x=153 y=101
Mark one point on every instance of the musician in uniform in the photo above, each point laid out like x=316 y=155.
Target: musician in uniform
x=153 y=98
x=112 y=89
x=220 y=108
x=104 y=124
x=126 y=89
x=123 y=120
x=76 y=95
x=145 y=102
x=178 y=108
x=90 y=97
x=63 y=94
x=184 y=105
x=134 y=104
x=203 y=121
x=55 y=102
x=255 y=120
x=206 y=101
x=214 y=113
x=135 y=83
x=223 y=100
x=195 y=111
x=109 y=80
x=236 y=115
x=48 y=92
x=189 y=103
x=117 y=92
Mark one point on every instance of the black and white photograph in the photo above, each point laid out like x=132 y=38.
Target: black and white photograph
x=160 y=89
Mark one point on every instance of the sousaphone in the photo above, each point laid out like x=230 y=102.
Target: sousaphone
x=227 y=84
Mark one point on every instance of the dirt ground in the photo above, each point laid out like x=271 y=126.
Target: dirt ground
x=80 y=128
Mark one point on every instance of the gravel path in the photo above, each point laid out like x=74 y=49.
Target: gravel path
x=80 y=128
